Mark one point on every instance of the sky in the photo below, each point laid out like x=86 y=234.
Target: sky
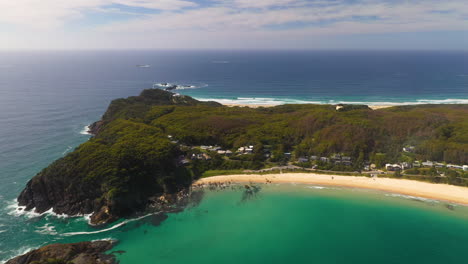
x=234 y=24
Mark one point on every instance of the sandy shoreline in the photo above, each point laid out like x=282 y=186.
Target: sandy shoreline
x=451 y=193
x=373 y=107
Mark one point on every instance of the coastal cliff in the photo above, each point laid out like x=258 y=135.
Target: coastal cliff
x=119 y=171
x=76 y=253
x=147 y=149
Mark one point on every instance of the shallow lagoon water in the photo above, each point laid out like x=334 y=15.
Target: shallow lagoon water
x=284 y=222
x=303 y=224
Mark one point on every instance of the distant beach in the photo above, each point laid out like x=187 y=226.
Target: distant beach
x=373 y=107
x=445 y=192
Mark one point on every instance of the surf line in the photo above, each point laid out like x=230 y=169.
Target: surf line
x=108 y=229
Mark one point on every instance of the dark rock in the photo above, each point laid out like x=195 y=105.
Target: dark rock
x=76 y=253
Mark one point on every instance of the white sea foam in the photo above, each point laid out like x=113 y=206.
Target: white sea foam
x=103 y=239
x=279 y=101
x=85 y=131
x=14 y=209
x=67 y=150
x=316 y=187
x=46 y=229
x=258 y=101
x=411 y=197
x=180 y=86
x=18 y=252
x=107 y=229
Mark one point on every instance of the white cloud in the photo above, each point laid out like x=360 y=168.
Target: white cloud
x=225 y=22
x=416 y=16
x=53 y=13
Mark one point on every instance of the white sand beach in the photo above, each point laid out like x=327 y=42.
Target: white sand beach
x=456 y=194
x=373 y=107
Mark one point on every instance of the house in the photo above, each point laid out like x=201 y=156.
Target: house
x=465 y=167
x=439 y=165
x=406 y=165
x=241 y=149
x=228 y=153
x=339 y=107
x=428 y=164
x=197 y=156
x=303 y=160
x=287 y=155
x=324 y=159
x=409 y=149
x=215 y=148
x=336 y=157
x=249 y=150
x=346 y=162
x=314 y=158
x=392 y=167
x=417 y=164
x=200 y=156
x=453 y=166
x=221 y=152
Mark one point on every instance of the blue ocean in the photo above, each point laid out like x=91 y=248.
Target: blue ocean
x=48 y=98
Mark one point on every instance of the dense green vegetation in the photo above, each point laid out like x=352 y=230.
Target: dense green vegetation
x=440 y=132
x=140 y=141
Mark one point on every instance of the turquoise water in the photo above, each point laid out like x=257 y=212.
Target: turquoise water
x=282 y=223
x=303 y=224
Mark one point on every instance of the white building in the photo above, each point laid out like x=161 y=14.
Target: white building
x=428 y=164
x=392 y=167
x=453 y=166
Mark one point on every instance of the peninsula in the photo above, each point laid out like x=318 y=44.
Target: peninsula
x=148 y=149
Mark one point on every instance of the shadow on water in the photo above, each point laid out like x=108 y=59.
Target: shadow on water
x=156 y=218
x=250 y=192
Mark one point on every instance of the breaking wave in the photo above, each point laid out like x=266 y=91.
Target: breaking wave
x=85 y=131
x=179 y=86
x=280 y=101
x=14 y=209
x=18 y=252
x=410 y=197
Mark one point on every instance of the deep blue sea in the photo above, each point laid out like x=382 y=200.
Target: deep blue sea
x=48 y=98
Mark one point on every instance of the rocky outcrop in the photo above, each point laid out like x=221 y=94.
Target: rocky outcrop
x=41 y=194
x=118 y=171
x=95 y=127
x=75 y=253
